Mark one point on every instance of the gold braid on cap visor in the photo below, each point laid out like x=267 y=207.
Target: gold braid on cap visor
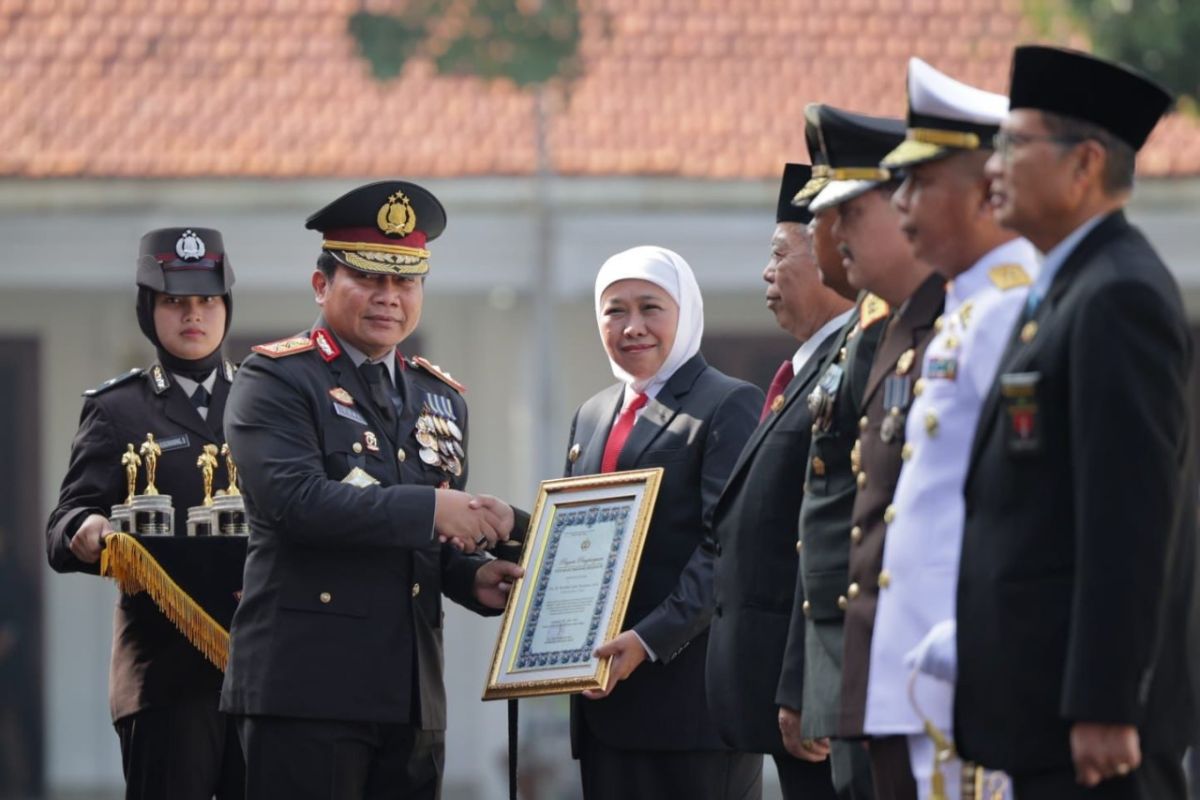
x=392 y=259
x=963 y=140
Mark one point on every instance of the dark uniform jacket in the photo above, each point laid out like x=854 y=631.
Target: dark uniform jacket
x=1075 y=586
x=694 y=428
x=341 y=616
x=754 y=539
x=153 y=665
x=824 y=543
x=893 y=382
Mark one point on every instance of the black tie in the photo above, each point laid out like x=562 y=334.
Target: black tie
x=377 y=378
x=200 y=397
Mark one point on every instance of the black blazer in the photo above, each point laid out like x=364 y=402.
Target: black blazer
x=152 y=663
x=754 y=541
x=695 y=429
x=341 y=615
x=1075 y=586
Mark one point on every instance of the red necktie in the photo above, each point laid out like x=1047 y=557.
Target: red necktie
x=783 y=376
x=620 y=433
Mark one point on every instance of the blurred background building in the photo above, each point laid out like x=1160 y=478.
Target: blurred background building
x=556 y=132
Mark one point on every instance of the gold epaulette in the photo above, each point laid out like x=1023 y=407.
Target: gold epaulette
x=1009 y=276
x=873 y=309
x=285 y=347
x=436 y=371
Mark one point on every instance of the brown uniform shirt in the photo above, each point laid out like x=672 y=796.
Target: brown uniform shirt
x=876 y=458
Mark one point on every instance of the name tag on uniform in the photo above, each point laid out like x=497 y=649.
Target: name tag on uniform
x=349 y=413
x=174 y=442
x=1022 y=418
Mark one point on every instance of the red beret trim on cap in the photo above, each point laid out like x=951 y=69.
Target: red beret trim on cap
x=375 y=236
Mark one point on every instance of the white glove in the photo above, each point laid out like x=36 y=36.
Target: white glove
x=936 y=655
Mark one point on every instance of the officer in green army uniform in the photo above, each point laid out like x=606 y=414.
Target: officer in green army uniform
x=830 y=486
x=352 y=462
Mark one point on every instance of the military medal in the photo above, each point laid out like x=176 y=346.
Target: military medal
x=821 y=399
x=1019 y=396
x=454 y=430
x=897 y=394
x=430 y=457
x=892 y=424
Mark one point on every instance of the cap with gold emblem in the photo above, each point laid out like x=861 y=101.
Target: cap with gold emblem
x=945 y=117
x=816 y=153
x=854 y=145
x=382 y=227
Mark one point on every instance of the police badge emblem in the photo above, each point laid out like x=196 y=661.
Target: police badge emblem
x=190 y=247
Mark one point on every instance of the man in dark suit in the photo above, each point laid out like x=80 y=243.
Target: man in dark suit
x=754 y=522
x=651 y=735
x=878 y=259
x=162 y=691
x=352 y=460
x=1075 y=585
x=824 y=543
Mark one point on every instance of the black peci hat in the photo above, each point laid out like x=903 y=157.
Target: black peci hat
x=1123 y=102
x=184 y=261
x=382 y=227
x=795 y=176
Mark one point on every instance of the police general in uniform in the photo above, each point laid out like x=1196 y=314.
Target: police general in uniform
x=755 y=518
x=352 y=460
x=1075 y=592
x=162 y=691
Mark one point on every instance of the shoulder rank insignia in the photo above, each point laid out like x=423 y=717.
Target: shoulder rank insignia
x=114 y=381
x=873 y=309
x=1009 y=276
x=437 y=372
x=285 y=347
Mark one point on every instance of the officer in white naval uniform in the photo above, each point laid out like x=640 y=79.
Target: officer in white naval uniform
x=946 y=213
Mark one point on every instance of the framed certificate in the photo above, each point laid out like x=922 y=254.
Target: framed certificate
x=580 y=559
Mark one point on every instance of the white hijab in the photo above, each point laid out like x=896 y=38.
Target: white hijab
x=667 y=270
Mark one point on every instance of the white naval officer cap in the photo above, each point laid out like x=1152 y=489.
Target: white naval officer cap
x=945 y=116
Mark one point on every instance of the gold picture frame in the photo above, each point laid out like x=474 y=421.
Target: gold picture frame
x=572 y=598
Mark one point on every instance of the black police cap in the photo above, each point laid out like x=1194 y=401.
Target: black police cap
x=184 y=261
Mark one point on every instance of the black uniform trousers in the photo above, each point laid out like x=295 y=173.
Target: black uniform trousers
x=891 y=768
x=186 y=750
x=804 y=780
x=307 y=759
x=611 y=774
x=1160 y=777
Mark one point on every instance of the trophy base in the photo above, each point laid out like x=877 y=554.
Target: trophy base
x=200 y=521
x=230 y=514
x=152 y=515
x=121 y=519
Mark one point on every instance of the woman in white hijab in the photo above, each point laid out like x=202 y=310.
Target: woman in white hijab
x=649 y=733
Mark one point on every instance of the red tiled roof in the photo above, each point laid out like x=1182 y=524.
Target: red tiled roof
x=276 y=88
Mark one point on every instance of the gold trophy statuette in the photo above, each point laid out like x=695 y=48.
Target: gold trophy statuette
x=150 y=452
x=130 y=460
x=207 y=462
x=231 y=470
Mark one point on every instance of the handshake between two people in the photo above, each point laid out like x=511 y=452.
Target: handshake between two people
x=471 y=522
x=478 y=522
